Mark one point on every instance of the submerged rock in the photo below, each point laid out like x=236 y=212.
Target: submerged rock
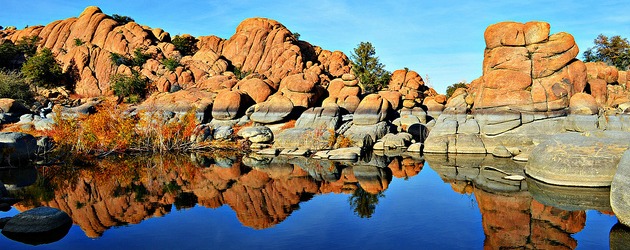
x=38 y=226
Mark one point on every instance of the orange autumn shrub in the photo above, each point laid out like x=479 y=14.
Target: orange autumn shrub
x=158 y=133
x=111 y=130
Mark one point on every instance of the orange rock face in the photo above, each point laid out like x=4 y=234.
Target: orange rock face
x=526 y=69
x=260 y=47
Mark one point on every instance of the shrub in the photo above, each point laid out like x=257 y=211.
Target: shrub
x=132 y=87
x=139 y=57
x=28 y=45
x=43 y=70
x=122 y=19
x=171 y=63
x=108 y=130
x=451 y=89
x=186 y=44
x=111 y=130
x=240 y=74
x=9 y=55
x=118 y=59
x=296 y=35
x=13 y=85
x=78 y=42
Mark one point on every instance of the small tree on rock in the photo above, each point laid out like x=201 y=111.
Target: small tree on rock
x=185 y=44
x=366 y=66
x=122 y=19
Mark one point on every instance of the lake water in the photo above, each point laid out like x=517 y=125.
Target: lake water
x=203 y=202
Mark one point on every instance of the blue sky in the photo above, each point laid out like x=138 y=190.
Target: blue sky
x=441 y=39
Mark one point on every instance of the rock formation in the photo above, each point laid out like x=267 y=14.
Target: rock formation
x=532 y=87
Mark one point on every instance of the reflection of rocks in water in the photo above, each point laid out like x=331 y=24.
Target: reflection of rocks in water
x=372 y=179
x=511 y=218
x=486 y=171
x=619 y=237
x=262 y=192
x=570 y=198
x=405 y=168
x=16 y=178
x=515 y=220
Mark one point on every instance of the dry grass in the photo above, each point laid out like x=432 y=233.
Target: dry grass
x=110 y=130
x=288 y=125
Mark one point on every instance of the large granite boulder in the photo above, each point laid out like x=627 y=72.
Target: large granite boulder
x=257 y=134
x=230 y=104
x=583 y=104
x=372 y=110
x=620 y=190
x=17 y=147
x=275 y=109
x=410 y=86
x=327 y=117
x=589 y=159
x=344 y=92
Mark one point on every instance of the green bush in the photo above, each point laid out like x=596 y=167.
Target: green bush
x=130 y=87
x=43 y=70
x=13 y=85
x=28 y=45
x=451 y=89
x=118 y=59
x=171 y=63
x=78 y=42
x=122 y=19
x=187 y=45
x=9 y=55
x=240 y=74
x=139 y=57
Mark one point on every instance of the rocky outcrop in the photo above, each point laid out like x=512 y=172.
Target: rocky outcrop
x=85 y=46
x=410 y=86
x=532 y=88
x=527 y=69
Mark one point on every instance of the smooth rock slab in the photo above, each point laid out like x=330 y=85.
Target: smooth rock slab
x=258 y=134
x=38 y=226
x=589 y=159
x=620 y=190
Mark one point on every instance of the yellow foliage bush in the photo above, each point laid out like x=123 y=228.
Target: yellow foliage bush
x=111 y=130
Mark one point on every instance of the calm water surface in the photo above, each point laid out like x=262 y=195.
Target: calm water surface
x=256 y=203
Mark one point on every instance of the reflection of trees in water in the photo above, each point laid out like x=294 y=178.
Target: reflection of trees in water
x=363 y=203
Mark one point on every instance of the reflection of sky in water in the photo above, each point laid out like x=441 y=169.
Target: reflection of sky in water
x=421 y=212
